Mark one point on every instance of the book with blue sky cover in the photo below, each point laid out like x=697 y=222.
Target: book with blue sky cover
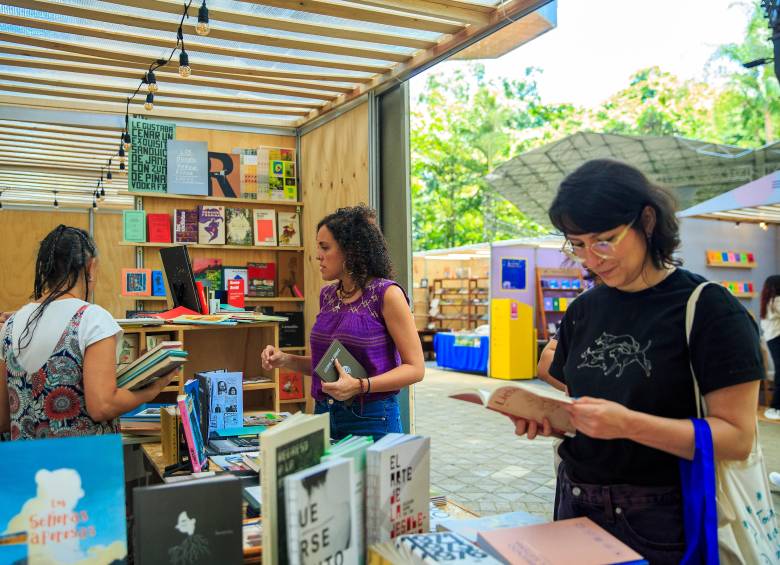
x=66 y=497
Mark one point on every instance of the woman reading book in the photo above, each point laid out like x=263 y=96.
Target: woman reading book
x=58 y=353
x=623 y=356
x=369 y=314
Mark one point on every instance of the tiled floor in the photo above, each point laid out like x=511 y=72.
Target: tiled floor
x=478 y=461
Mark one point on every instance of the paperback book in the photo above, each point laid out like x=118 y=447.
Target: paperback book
x=265 y=227
x=249 y=173
x=262 y=279
x=289 y=229
x=63 y=501
x=211 y=225
x=289 y=447
x=185 y=226
x=134 y=225
x=424 y=549
x=239 y=226
x=321 y=514
x=532 y=402
x=159 y=226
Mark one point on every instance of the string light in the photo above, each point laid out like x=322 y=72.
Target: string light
x=94 y=203
x=1 y=199
x=184 y=64
x=151 y=82
x=763 y=226
x=203 y=20
x=149 y=104
x=56 y=204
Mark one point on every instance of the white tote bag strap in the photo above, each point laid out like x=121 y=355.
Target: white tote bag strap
x=690 y=313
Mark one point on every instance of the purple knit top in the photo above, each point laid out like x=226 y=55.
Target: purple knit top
x=361 y=328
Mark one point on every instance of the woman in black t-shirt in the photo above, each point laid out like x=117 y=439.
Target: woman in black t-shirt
x=622 y=354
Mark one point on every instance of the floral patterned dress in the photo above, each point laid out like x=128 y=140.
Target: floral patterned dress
x=50 y=402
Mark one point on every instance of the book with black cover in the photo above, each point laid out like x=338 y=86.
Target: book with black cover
x=291 y=332
x=194 y=522
x=326 y=369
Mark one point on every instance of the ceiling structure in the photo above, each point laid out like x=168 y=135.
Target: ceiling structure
x=264 y=63
x=695 y=170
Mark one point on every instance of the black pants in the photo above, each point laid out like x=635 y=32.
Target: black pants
x=647 y=519
x=774 y=351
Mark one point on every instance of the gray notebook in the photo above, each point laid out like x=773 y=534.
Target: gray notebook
x=326 y=369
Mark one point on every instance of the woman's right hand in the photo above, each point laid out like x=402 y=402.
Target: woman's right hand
x=531 y=428
x=273 y=358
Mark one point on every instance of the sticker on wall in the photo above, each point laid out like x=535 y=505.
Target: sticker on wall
x=513 y=274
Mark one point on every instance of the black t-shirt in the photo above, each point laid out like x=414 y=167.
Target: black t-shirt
x=631 y=348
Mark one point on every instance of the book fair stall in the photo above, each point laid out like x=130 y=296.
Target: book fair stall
x=198 y=145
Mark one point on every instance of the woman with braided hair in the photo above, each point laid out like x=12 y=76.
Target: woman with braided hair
x=369 y=314
x=58 y=353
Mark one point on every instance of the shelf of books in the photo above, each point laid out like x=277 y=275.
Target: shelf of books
x=242 y=229
x=458 y=304
x=555 y=290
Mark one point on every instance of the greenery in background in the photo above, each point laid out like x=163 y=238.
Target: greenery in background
x=464 y=125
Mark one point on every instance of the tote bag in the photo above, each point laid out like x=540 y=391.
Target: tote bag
x=747 y=525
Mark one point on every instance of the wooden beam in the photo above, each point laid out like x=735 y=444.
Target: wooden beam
x=119 y=17
x=66 y=181
x=355 y=11
x=57 y=186
x=57 y=67
x=31 y=127
x=141 y=63
x=45 y=137
x=64 y=142
x=26 y=167
x=55 y=159
x=192 y=47
x=162 y=102
x=196 y=61
x=32 y=148
x=509 y=11
x=119 y=109
x=286 y=24
x=446 y=9
x=162 y=94
x=116 y=183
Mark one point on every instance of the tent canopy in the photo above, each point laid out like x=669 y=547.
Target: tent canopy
x=695 y=170
x=757 y=201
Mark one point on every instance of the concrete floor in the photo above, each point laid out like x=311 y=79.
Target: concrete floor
x=478 y=461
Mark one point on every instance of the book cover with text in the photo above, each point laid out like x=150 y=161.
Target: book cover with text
x=238 y=226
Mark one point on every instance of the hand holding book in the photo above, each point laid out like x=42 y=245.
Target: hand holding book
x=345 y=387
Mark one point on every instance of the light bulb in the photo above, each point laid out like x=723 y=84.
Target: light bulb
x=94 y=204
x=122 y=165
x=151 y=82
x=763 y=226
x=149 y=104
x=121 y=152
x=203 y=20
x=126 y=141
x=109 y=176
x=184 y=65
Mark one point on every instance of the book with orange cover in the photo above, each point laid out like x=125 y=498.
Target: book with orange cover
x=532 y=402
x=586 y=543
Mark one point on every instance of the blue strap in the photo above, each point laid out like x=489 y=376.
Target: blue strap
x=700 y=510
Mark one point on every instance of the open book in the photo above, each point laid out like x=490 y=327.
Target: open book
x=522 y=400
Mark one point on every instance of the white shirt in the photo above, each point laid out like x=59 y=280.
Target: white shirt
x=96 y=324
x=770 y=325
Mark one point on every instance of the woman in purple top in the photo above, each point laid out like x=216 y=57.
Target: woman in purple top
x=369 y=314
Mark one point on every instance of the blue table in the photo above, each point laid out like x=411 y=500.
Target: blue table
x=462 y=352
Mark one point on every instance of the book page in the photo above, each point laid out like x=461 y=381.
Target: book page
x=533 y=403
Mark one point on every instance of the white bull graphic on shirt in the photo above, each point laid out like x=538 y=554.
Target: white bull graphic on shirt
x=612 y=353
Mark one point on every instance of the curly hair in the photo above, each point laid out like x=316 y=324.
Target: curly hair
x=356 y=231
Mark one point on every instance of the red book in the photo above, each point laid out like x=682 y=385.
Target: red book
x=204 y=304
x=235 y=293
x=159 y=228
x=290 y=385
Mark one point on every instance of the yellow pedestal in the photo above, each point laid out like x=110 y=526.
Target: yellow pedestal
x=512 y=340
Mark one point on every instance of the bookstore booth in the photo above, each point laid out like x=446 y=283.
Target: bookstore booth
x=199 y=146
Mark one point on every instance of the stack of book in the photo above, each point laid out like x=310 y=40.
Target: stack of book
x=152 y=365
x=143 y=421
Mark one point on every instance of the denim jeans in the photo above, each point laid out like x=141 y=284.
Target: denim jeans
x=376 y=418
x=647 y=519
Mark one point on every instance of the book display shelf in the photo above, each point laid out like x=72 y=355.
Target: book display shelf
x=555 y=289
x=236 y=348
x=730 y=259
x=740 y=289
x=460 y=304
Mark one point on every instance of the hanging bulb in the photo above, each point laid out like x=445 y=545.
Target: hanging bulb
x=94 y=203
x=184 y=65
x=122 y=165
x=149 y=104
x=126 y=141
x=763 y=226
x=151 y=82
x=56 y=204
x=203 y=20
x=121 y=152
x=1 y=201
x=102 y=192
x=109 y=176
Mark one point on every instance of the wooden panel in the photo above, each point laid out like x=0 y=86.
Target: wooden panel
x=112 y=258
x=226 y=141
x=334 y=173
x=21 y=231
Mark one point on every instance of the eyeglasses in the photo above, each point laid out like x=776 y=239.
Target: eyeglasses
x=602 y=249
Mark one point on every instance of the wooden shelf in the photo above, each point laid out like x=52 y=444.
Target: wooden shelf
x=148 y=298
x=732 y=265
x=292 y=401
x=259 y=386
x=744 y=294
x=212 y=198
x=292 y=349
x=207 y=246
x=272 y=299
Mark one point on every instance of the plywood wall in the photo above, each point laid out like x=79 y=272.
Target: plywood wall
x=334 y=173
x=21 y=232
x=226 y=141
x=112 y=258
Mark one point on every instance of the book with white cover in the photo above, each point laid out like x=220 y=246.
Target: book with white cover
x=296 y=444
x=398 y=470
x=321 y=516
x=423 y=549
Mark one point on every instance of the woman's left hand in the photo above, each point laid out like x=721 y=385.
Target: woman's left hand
x=344 y=388
x=599 y=418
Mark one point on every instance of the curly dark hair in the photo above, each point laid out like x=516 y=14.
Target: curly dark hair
x=356 y=231
x=604 y=193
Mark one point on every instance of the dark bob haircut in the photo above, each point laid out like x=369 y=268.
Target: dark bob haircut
x=603 y=194
x=356 y=231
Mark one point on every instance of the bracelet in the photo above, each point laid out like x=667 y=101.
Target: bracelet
x=361 y=386
x=368 y=380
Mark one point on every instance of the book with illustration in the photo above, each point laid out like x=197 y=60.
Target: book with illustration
x=63 y=501
x=185 y=225
x=321 y=514
x=262 y=279
x=289 y=447
x=523 y=400
x=289 y=229
x=211 y=225
x=425 y=549
x=398 y=475
x=238 y=226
